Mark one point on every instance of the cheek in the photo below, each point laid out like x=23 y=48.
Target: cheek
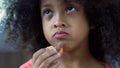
x=80 y=30
x=47 y=32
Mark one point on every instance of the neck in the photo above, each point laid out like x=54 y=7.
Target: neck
x=78 y=58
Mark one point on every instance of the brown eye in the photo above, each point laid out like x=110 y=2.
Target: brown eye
x=70 y=10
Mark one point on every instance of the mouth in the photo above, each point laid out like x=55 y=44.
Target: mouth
x=61 y=35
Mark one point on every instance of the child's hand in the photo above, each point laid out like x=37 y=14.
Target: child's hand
x=46 y=58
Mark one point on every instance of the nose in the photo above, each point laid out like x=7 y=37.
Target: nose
x=60 y=22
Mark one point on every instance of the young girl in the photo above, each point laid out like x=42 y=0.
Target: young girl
x=86 y=30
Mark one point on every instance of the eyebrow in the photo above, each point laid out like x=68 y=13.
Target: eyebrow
x=75 y=1
x=46 y=5
x=70 y=1
x=67 y=1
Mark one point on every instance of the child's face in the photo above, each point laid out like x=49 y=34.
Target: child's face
x=64 y=23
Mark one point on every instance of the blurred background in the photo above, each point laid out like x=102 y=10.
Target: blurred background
x=10 y=55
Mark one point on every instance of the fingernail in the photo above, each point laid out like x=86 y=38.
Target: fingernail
x=54 y=50
x=58 y=55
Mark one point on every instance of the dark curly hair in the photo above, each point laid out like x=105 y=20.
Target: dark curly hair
x=25 y=19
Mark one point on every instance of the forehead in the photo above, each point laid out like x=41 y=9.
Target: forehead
x=63 y=1
x=42 y=2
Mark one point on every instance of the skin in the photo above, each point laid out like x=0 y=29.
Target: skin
x=68 y=17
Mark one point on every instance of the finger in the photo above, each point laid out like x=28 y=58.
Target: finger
x=57 y=48
x=36 y=55
x=50 y=61
x=44 y=56
x=56 y=65
x=60 y=50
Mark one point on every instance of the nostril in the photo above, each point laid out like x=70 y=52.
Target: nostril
x=63 y=25
x=59 y=25
x=55 y=26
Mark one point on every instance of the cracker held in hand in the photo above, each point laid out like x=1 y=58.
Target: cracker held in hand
x=60 y=51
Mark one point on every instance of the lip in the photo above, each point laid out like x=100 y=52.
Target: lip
x=61 y=35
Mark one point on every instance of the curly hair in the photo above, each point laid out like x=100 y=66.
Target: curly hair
x=25 y=19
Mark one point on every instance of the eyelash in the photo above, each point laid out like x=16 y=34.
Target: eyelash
x=47 y=12
x=71 y=9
